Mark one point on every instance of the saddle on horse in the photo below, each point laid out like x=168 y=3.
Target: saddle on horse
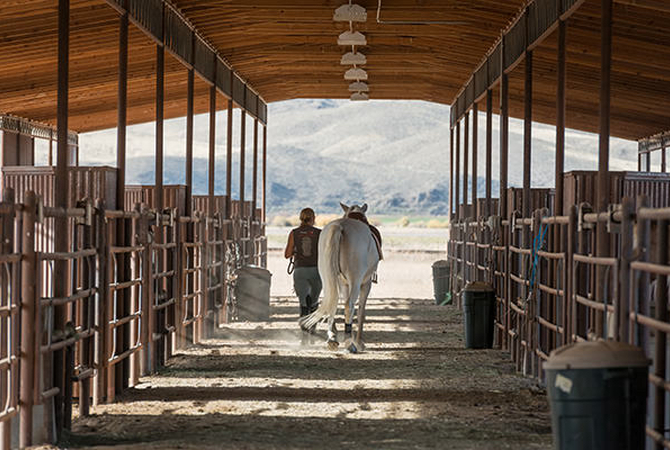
x=376 y=235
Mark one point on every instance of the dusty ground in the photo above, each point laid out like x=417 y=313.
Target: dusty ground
x=255 y=387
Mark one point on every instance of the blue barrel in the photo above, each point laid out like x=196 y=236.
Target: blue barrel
x=598 y=396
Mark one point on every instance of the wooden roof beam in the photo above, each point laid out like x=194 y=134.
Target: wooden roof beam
x=158 y=32
x=656 y=5
x=512 y=51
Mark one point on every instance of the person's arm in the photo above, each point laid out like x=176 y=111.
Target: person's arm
x=288 y=251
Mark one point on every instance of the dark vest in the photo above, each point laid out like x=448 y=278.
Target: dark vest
x=306 y=245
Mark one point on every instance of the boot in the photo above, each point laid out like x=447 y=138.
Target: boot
x=304 y=310
x=312 y=304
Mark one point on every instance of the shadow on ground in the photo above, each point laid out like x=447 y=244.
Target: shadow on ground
x=253 y=386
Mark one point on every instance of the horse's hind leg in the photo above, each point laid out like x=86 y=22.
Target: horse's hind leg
x=365 y=291
x=332 y=334
x=349 y=317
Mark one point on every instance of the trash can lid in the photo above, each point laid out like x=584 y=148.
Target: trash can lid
x=254 y=270
x=478 y=286
x=596 y=355
x=441 y=263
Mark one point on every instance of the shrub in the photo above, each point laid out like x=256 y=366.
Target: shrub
x=285 y=221
x=403 y=222
x=435 y=223
x=279 y=221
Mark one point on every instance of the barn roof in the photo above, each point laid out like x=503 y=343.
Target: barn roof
x=288 y=49
x=640 y=84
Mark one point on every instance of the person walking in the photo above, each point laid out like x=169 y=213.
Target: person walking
x=302 y=246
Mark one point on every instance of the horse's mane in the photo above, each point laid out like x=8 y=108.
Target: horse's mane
x=355 y=212
x=357 y=215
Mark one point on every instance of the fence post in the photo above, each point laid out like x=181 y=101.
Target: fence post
x=450 y=258
x=475 y=250
x=623 y=306
x=135 y=293
x=661 y=301
x=503 y=259
x=642 y=278
x=508 y=289
x=147 y=293
x=583 y=317
x=206 y=276
x=8 y=344
x=180 y=288
x=568 y=248
x=571 y=323
x=87 y=310
x=466 y=257
x=182 y=264
x=103 y=281
x=220 y=313
x=28 y=307
x=533 y=294
x=489 y=258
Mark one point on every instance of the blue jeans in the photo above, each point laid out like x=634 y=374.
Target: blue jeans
x=307 y=283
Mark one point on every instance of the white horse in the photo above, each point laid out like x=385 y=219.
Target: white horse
x=348 y=259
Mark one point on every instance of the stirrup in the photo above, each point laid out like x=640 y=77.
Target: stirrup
x=374 y=277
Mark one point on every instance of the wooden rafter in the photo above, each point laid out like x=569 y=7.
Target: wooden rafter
x=287 y=49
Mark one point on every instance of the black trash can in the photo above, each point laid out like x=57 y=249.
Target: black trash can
x=479 y=313
x=252 y=292
x=598 y=396
x=441 y=282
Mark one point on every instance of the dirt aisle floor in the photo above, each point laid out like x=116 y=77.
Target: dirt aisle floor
x=255 y=387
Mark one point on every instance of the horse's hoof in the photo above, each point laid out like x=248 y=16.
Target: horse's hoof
x=333 y=345
x=352 y=348
x=304 y=339
x=360 y=346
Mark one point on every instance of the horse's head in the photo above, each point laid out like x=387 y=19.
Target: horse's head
x=354 y=209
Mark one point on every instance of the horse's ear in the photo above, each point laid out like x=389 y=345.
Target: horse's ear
x=344 y=207
x=364 y=208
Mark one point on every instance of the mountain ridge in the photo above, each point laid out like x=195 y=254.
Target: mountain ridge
x=393 y=155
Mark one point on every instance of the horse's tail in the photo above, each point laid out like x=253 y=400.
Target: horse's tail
x=329 y=269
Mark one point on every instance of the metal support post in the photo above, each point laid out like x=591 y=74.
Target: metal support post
x=466 y=150
x=603 y=189
x=458 y=170
x=489 y=150
x=475 y=127
x=229 y=158
x=504 y=143
x=61 y=188
x=451 y=174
